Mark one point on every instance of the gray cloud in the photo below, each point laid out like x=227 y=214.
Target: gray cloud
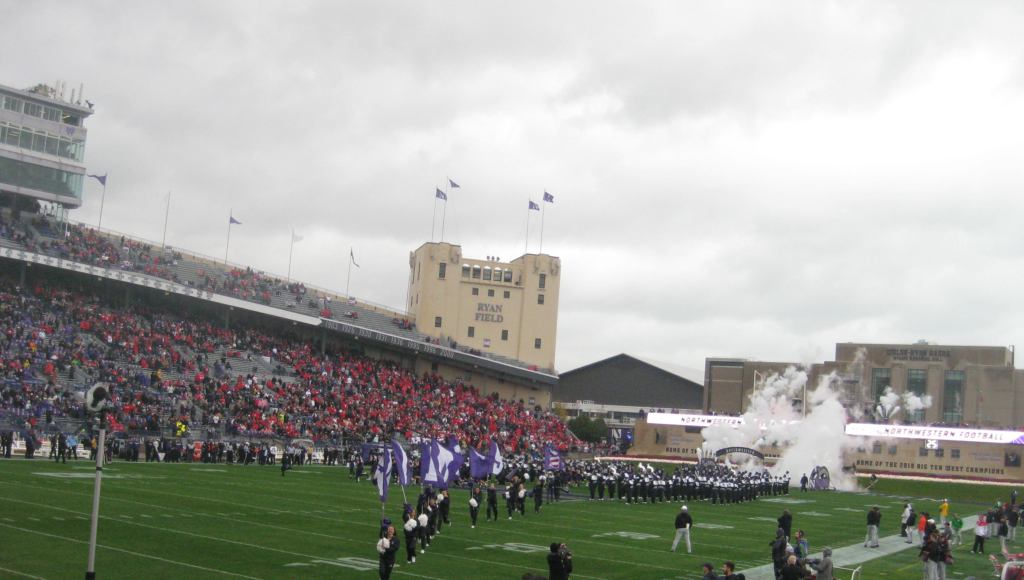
x=752 y=179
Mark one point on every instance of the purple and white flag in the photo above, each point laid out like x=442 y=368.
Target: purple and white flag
x=495 y=460
x=549 y=198
x=479 y=464
x=401 y=463
x=382 y=475
x=440 y=194
x=534 y=206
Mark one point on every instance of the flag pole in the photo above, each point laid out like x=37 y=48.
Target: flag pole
x=527 y=250
x=103 y=200
x=290 y=248
x=444 y=212
x=349 y=277
x=228 y=245
x=542 y=207
x=433 y=220
x=167 y=215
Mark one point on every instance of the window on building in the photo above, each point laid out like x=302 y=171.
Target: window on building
x=472 y=332
x=418 y=271
x=507 y=294
x=497 y=275
x=940 y=452
x=434 y=367
x=917 y=383
x=476 y=291
x=536 y=343
x=954 y=454
x=922 y=452
x=442 y=268
x=490 y=293
x=437 y=322
x=953 y=398
x=892 y=450
x=508 y=275
x=504 y=335
x=540 y=299
x=12 y=104
x=543 y=281
x=487 y=273
x=51 y=114
x=880 y=380
x=33 y=110
x=876 y=448
x=465 y=270
x=476 y=272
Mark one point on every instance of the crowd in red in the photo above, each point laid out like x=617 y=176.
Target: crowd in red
x=167 y=368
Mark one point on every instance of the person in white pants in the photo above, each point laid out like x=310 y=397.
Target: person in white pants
x=683 y=524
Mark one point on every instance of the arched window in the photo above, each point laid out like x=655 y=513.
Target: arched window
x=487 y=272
x=476 y=272
x=465 y=270
x=497 y=275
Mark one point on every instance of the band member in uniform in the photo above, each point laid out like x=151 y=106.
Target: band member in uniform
x=492 y=502
x=387 y=547
x=474 y=505
x=411 y=533
x=538 y=495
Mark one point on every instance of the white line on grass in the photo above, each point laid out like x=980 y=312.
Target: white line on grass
x=132 y=553
x=22 y=574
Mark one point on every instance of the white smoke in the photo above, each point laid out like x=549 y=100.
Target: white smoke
x=915 y=403
x=887 y=407
x=772 y=420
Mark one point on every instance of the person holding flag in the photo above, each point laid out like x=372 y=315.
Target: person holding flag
x=411 y=532
x=475 y=499
x=382 y=475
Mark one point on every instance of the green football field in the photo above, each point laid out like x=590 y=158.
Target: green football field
x=196 y=521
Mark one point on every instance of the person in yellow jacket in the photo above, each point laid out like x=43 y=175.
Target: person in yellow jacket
x=943 y=511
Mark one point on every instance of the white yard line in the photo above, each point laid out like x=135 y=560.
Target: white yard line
x=66 y=539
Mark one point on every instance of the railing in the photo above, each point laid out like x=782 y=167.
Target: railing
x=228 y=265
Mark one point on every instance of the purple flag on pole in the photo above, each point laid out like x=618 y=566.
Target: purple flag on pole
x=100 y=178
x=534 y=206
x=382 y=475
x=479 y=464
x=495 y=460
x=440 y=194
x=401 y=463
x=549 y=198
x=453 y=184
x=234 y=221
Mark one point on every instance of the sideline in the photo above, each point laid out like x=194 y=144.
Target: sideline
x=851 y=556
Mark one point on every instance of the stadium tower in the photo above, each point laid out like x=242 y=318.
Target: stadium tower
x=42 y=147
x=508 y=309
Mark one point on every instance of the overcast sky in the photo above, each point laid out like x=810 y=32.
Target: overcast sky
x=757 y=180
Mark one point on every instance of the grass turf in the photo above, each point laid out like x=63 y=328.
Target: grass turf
x=173 y=521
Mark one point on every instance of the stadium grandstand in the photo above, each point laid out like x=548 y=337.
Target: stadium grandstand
x=232 y=352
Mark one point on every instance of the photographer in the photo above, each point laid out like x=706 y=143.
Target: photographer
x=559 y=562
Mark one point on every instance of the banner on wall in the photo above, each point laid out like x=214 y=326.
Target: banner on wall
x=936 y=433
